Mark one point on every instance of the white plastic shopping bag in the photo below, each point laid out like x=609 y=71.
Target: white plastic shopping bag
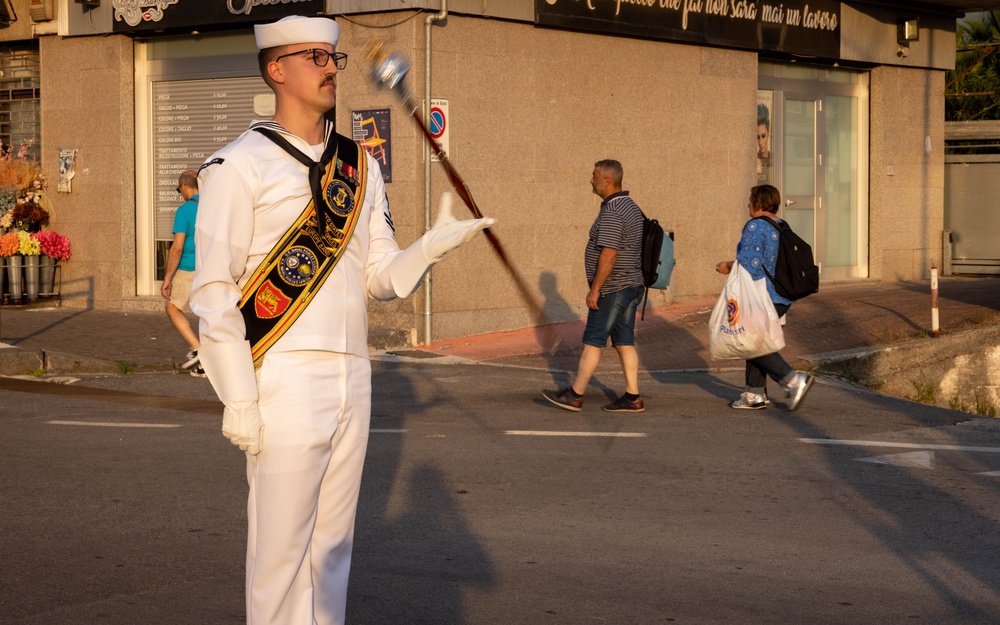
x=744 y=323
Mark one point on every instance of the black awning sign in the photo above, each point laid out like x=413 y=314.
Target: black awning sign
x=142 y=15
x=806 y=27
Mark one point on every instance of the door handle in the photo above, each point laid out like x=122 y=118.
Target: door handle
x=789 y=202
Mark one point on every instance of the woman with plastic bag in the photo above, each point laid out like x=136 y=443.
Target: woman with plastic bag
x=758 y=250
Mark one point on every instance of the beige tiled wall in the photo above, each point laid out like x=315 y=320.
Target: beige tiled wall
x=87 y=104
x=907 y=207
x=531 y=109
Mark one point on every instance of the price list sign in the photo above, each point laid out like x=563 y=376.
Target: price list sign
x=192 y=119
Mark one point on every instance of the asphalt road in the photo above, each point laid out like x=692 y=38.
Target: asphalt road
x=483 y=505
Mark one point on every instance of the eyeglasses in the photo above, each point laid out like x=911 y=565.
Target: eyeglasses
x=321 y=57
x=178 y=189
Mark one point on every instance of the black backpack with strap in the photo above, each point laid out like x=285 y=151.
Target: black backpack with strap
x=657 y=259
x=795 y=274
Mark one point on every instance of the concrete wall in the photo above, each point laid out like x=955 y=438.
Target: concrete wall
x=907 y=183
x=87 y=104
x=529 y=120
x=530 y=111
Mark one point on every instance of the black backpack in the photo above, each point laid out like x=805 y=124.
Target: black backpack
x=657 y=261
x=652 y=242
x=795 y=274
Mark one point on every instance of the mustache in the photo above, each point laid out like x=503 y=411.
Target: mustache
x=330 y=80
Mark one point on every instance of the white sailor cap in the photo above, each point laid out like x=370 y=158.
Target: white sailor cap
x=296 y=29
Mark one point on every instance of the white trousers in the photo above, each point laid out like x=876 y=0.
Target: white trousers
x=304 y=486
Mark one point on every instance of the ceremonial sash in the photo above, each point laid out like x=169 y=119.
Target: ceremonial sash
x=296 y=268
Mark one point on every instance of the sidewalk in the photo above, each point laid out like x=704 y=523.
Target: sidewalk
x=845 y=316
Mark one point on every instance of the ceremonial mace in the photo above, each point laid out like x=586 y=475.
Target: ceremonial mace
x=386 y=71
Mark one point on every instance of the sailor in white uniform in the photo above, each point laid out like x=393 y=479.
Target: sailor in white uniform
x=302 y=413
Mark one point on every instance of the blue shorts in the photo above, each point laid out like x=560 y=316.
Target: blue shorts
x=614 y=318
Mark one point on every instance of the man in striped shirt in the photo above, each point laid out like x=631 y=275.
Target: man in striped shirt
x=613 y=263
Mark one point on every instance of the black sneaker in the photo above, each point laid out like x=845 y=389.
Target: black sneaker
x=199 y=372
x=190 y=360
x=564 y=399
x=622 y=404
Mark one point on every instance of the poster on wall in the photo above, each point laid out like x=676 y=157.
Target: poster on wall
x=765 y=146
x=373 y=130
x=67 y=169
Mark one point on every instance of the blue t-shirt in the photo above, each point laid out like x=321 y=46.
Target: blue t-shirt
x=758 y=249
x=184 y=222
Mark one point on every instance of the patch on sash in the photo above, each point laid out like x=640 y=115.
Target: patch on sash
x=269 y=302
x=298 y=266
x=340 y=198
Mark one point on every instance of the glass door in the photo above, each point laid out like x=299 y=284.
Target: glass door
x=801 y=171
x=818 y=118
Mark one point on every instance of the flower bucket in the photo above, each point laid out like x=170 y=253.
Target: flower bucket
x=46 y=275
x=14 y=278
x=31 y=276
x=3 y=277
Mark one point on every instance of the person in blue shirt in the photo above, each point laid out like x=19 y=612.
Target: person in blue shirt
x=179 y=274
x=758 y=250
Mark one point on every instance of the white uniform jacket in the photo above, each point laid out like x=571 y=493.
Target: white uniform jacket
x=252 y=191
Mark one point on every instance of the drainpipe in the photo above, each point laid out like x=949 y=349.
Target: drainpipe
x=429 y=22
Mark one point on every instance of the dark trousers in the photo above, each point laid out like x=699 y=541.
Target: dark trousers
x=773 y=365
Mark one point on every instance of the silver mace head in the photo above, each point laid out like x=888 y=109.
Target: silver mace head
x=387 y=69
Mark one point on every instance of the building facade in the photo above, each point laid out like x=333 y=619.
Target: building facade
x=838 y=104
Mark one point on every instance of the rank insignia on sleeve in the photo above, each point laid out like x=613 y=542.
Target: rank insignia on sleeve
x=270 y=301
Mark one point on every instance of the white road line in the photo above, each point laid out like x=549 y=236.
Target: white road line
x=387 y=431
x=600 y=434
x=823 y=441
x=115 y=425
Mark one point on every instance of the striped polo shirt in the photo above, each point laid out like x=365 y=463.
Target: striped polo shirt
x=618 y=226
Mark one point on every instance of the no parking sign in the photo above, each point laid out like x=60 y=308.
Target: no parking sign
x=439 y=125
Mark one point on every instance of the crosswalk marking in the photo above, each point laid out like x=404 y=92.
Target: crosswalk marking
x=911 y=459
x=823 y=441
x=104 y=424
x=553 y=433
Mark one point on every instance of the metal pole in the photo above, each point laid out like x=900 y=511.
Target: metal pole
x=428 y=25
x=934 y=301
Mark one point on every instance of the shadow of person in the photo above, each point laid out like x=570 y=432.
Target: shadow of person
x=558 y=311
x=414 y=554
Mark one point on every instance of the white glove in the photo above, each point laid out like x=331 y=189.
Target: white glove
x=409 y=266
x=447 y=233
x=242 y=425
x=230 y=370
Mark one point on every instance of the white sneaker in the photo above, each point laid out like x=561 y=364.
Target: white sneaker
x=749 y=401
x=198 y=372
x=798 y=388
x=190 y=360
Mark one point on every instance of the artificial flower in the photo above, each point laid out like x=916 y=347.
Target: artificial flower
x=53 y=244
x=9 y=244
x=30 y=216
x=27 y=244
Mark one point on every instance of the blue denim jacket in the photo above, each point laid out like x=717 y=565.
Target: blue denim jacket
x=758 y=249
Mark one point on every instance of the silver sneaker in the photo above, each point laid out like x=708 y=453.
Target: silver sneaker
x=749 y=401
x=798 y=388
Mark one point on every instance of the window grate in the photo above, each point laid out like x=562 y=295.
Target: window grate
x=20 y=100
